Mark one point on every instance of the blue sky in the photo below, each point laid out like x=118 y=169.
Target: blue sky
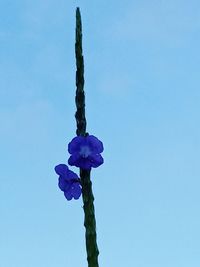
x=142 y=100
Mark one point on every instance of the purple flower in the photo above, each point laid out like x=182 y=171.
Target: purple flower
x=68 y=182
x=85 y=152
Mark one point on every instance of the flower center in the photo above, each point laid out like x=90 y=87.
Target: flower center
x=85 y=151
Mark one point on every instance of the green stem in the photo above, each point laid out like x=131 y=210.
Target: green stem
x=80 y=95
x=90 y=222
x=88 y=198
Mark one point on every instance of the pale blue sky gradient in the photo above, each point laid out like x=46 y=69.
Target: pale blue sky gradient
x=142 y=84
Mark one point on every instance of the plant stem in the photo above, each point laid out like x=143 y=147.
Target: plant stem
x=90 y=222
x=80 y=95
x=88 y=198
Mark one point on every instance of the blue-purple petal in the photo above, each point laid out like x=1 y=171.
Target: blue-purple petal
x=76 y=190
x=95 y=145
x=74 y=158
x=74 y=145
x=80 y=162
x=63 y=183
x=68 y=194
x=96 y=160
x=61 y=169
x=72 y=175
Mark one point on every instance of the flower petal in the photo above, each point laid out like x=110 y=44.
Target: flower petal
x=74 y=145
x=72 y=175
x=62 y=183
x=68 y=194
x=74 y=158
x=61 y=169
x=96 y=160
x=76 y=190
x=83 y=163
x=95 y=144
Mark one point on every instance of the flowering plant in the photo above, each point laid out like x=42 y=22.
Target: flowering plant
x=85 y=153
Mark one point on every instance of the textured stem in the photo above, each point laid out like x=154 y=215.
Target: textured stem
x=80 y=95
x=88 y=198
x=89 y=223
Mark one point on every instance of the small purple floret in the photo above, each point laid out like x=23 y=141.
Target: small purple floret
x=68 y=182
x=85 y=152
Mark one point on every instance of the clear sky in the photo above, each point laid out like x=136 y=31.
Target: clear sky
x=142 y=66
